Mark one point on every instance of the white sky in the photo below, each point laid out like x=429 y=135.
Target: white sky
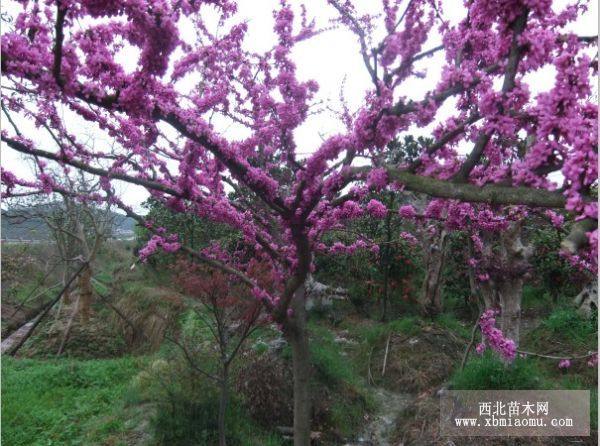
x=331 y=58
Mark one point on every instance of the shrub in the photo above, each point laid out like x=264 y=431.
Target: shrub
x=187 y=408
x=265 y=385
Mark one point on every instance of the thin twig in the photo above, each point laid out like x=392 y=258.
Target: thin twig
x=470 y=345
x=370 y=379
x=387 y=348
x=556 y=357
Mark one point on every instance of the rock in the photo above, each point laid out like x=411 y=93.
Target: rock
x=342 y=340
x=320 y=296
x=587 y=300
x=276 y=344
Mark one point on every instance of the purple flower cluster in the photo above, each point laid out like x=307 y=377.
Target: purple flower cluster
x=168 y=244
x=564 y=364
x=494 y=337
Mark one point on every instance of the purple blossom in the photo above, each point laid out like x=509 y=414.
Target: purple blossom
x=564 y=364
x=376 y=209
x=494 y=337
x=407 y=211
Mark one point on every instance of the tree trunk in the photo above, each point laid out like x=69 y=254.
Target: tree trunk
x=489 y=294
x=511 y=293
x=223 y=400
x=516 y=261
x=431 y=293
x=296 y=334
x=85 y=293
x=68 y=328
x=386 y=253
x=67 y=295
x=386 y=293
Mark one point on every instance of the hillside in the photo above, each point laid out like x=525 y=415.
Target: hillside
x=27 y=224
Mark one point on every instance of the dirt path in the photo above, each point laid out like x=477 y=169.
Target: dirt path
x=380 y=428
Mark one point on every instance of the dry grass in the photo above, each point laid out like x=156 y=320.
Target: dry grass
x=152 y=311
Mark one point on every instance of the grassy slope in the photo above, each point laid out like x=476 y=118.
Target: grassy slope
x=64 y=402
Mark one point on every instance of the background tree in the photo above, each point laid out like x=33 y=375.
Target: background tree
x=229 y=313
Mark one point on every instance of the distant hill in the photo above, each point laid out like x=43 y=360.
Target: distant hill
x=26 y=223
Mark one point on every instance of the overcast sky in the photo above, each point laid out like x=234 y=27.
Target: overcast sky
x=331 y=58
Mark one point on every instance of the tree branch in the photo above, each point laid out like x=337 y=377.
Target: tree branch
x=508 y=84
x=491 y=194
x=61 y=13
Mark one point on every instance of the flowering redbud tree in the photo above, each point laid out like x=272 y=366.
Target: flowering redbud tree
x=126 y=69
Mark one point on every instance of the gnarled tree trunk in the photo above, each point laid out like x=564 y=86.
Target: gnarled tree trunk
x=511 y=293
x=431 y=292
x=507 y=268
x=515 y=262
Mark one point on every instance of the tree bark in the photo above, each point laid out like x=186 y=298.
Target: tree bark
x=85 y=293
x=223 y=400
x=67 y=294
x=507 y=268
x=515 y=260
x=68 y=328
x=386 y=253
x=296 y=333
x=431 y=293
x=511 y=294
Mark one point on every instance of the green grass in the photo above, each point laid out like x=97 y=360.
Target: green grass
x=450 y=322
x=185 y=419
x=535 y=298
x=570 y=326
x=326 y=355
x=375 y=333
x=488 y=372
x=338 y=369
x=58 y=402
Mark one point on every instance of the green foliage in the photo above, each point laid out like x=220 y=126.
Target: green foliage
x=456 y=288
x=488 y=372
x=63 y=402
x=556 y=275
x=347 y=417
x=337 y=371
x=187 y=408
x=406 y=151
